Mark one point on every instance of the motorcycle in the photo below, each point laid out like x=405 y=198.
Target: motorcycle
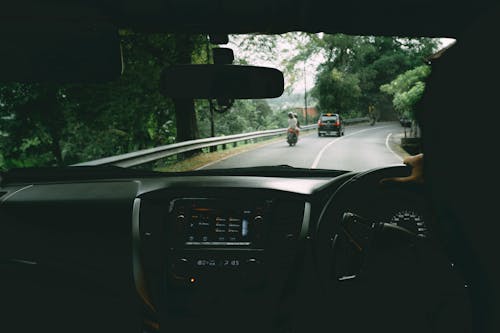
x=372 y=121
x=292 y=137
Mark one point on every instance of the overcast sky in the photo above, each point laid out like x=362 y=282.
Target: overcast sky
x=284 y=51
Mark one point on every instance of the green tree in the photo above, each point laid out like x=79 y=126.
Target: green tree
x=382 y=60
x=244 y=116
x=367 y=62
x=45 y=125
x=407 y=90
x=336 y=91
x=32 y=124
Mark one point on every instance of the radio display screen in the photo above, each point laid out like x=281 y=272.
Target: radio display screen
x=218 y=222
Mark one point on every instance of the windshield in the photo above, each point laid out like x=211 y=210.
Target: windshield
x=371 y=82
x=328 y=118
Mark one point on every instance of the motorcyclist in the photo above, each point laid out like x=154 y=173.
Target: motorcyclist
x=297 y=129
x=296 y=117
x=292 y=125
x=372 y=114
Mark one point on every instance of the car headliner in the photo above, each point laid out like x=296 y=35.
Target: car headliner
x=410 y=18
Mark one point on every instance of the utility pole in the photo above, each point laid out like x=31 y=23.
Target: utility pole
x=305 y=93
x=210 y=105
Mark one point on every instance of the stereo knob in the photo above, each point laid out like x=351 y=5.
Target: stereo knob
x=181 y=267
x=258 y=219
x=180 y=223
x=252 y=274
x=252 y=262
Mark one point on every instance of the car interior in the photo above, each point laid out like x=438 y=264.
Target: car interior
x=266 y=249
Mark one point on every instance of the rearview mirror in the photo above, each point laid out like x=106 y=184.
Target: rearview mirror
x=221 y=81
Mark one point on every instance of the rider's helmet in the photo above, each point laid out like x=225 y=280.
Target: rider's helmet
x=290 y=115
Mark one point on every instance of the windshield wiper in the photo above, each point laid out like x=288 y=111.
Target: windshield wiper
x=269 y=171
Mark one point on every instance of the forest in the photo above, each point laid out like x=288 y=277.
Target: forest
x=59 y=125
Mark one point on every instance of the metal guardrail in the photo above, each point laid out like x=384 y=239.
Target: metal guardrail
x=153 y=154
x=356 y=120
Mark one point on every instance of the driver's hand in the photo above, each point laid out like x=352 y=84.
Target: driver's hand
x=417 y=171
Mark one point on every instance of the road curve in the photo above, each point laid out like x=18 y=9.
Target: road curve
x=361 y=148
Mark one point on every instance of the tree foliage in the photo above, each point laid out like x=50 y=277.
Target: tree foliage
x=407 y=90
x=366 y=63
x=336 y=90
x=49 y=125
x=245 y=116
x=352 y=70
x=60 y=125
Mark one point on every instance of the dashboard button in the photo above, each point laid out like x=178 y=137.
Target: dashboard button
x=252 y=262
x=181 y=267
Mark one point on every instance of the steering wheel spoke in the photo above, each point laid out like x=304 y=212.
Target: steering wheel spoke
x=357 y=229
x=349 y=247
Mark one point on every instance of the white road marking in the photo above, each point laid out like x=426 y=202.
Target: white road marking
x=390 y=149
x=320 y=154
x=4 y=199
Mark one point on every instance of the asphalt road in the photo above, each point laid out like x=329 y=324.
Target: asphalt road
x=361 y=148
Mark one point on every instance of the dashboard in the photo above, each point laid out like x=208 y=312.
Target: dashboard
x=185 y=253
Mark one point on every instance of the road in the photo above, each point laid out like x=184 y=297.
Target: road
x=362 y=147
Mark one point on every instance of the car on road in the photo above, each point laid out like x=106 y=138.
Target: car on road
x=405 y=121
x=330 y=123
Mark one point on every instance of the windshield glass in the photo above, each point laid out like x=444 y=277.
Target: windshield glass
x=371 y=82
x=328 y=118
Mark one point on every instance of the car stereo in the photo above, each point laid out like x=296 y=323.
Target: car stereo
x=216 y=222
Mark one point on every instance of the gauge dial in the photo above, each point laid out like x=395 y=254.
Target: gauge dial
x=411 y=220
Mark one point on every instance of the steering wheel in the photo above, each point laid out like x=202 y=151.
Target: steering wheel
x=374 y=256
x=357 y=212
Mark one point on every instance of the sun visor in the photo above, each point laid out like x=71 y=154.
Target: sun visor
x=60 y=51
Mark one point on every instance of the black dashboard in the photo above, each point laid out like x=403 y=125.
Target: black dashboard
x=184 y=253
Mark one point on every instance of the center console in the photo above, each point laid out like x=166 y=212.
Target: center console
x=214 y=241
x=220 y=262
